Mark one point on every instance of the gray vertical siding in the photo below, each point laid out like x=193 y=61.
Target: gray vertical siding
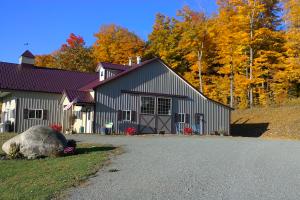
x=110 y=72
x=156 y=78
x=37 y=100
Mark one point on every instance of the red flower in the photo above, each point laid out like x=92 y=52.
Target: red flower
x=56 y=127
x=130 y=131
x=187 y=131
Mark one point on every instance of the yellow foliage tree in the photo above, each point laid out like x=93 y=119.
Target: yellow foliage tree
x=116 y=44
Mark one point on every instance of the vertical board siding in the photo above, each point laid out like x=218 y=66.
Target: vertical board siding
x=156 y=78
x=37 y=100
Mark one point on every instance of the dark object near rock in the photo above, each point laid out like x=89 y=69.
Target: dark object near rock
x=71 y=143
x=37 y=141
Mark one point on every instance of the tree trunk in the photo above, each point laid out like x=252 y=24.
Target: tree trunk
x=200 y=67
x=231 y=84
x=251 y=55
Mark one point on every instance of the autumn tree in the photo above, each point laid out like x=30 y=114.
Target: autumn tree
x=116 y=44
x=163 y=42
x=252 y=26
x=195 y=44
x=47 y=60
x=292 y=45
x=73 y=55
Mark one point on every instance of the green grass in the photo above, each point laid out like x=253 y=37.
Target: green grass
x=49 y=177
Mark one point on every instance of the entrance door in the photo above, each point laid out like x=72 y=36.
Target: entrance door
x=199 y=123
x=88 y=121
x=164 y=115
x=155 y=115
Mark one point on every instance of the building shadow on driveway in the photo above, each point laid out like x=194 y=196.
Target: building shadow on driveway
x=248 y=129
x=85 y=150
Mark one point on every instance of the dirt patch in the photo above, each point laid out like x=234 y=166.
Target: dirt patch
x=273 y=122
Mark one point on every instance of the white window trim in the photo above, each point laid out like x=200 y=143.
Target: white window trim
x=35 y=113
x=170 y=106
x=126 y=120
x=184 y=116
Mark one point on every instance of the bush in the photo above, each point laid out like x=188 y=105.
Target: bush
x=56 y=127
x=14 y=151
x=130 y=131
x=187 y=131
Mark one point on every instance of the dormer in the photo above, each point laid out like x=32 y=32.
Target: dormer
x=107 y=70
x=26 y=60
x=102 y=74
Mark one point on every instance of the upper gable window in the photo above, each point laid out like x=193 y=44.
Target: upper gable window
x=102 y=74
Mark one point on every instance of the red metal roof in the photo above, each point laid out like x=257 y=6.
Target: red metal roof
x=97 y=83
x=119 y=67
x=82 y=97
x=40 y=79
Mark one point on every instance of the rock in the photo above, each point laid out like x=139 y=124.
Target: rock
x=38 y=141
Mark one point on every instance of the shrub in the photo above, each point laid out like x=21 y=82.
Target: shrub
x=130 y=131
x=14 y=151
x=187 y=131
x=56 y=127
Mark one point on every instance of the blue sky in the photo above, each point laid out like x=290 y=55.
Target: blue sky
x=46 y=24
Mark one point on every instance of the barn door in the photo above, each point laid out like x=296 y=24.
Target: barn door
x=155 y=115
x=164 y=115
x=147 y=115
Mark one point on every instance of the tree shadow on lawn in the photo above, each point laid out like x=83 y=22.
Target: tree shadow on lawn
x=91 y=149
x=248 y=129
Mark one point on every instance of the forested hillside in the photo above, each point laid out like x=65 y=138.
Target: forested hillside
x=245 y=55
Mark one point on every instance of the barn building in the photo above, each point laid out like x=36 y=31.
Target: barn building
x=148 y=96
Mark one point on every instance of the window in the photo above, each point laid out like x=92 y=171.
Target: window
x=126 y=115
x=181 y=117
x=147 y=105
x=12 y=114
x=198 y=118
x=77 y=114
x=163 y=106
x=35 y=114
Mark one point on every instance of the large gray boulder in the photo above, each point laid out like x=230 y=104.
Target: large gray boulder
x=38 y=141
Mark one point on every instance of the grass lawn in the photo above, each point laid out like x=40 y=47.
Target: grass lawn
x=49 y=177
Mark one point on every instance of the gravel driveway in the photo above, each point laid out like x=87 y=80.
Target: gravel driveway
x=178 y=167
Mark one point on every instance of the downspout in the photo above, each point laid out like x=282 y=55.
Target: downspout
x=16 y=116
x=94 y=115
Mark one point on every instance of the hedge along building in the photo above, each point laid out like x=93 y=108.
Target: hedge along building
x=148 y=96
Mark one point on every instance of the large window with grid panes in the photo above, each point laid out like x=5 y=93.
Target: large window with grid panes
x=164 y=106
